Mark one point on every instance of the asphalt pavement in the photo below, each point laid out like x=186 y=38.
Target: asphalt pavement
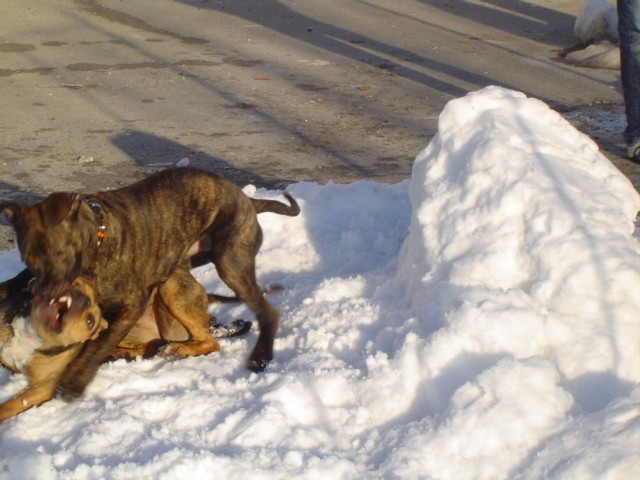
x=97 y=94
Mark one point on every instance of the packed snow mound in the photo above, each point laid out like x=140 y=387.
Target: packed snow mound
x=516 y=210
x=597 y=20
x=596 y=28
x=480 y=321
x=521 y=262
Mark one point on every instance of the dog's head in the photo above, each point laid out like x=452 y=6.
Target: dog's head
x=74 y=317
x=52 y=238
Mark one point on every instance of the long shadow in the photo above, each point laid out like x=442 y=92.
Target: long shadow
x=9 y=191
x=545 y=30
x=513 y=16
x=152 y=151
x=112 y=15
x=349 y=44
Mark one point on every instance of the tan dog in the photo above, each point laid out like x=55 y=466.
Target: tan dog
x=41 y=341
x=42 y=350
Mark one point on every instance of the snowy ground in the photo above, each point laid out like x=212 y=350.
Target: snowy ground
x=480 y=321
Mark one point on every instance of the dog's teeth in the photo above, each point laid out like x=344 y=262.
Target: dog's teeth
x=65 y=299
x=52 y=301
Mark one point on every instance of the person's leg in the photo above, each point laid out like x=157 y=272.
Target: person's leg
x=629 y=30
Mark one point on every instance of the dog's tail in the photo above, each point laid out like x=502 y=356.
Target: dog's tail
x=273 y=206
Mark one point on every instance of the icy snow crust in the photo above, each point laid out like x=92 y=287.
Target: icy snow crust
x=480 y=321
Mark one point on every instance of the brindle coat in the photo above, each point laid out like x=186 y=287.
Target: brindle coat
x=145 y=236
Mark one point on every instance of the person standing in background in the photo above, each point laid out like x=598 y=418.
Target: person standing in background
x=629 y=32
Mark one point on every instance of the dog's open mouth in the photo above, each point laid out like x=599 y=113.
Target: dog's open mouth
x=51 y=312
x=59 y=308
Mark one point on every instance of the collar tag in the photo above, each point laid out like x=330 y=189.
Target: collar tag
x=97 y=211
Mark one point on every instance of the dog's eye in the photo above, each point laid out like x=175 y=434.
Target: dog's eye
x=90 y=321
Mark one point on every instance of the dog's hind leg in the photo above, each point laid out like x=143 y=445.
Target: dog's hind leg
x=239 y=273
x=131 y=349
x=186 y=301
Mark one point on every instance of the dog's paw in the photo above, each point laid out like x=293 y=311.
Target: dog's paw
x=68 y=392
x=260 y=357
x=175 y=350
x=257 y=366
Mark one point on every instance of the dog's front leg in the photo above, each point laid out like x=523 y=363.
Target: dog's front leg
x=27 y=398
x=94 y=352
x=43 y=374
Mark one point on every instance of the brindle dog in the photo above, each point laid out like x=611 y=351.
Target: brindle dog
x=142 y=237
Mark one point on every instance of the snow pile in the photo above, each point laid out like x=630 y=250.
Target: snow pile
x=521 y=263
x=596 y=28
x=479 y=321
x=596 y=21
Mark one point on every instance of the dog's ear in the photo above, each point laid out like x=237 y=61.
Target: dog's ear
x=75 y=205
x=11 y=211
x=61 y=205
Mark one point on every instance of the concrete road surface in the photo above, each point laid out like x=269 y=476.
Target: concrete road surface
x=98 y=93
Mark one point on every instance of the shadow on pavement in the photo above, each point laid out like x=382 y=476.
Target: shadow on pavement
x=361 y=48
x=148 y=150
x=515 y=17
